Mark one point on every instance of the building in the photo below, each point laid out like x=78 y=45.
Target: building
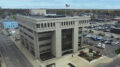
x=9 y=24
x=118 y=21
x=50 y=37
x=117 y=28
x=38 y=11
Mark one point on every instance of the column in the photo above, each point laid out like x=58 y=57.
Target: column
x=75 y=38
x=36 y=46
x=56 y=42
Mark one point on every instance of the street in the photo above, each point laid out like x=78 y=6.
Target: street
x=12 y=55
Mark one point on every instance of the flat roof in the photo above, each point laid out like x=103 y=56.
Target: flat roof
x=49 y=16
x=35 y=19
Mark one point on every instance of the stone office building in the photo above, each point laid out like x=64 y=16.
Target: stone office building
x=51 y=36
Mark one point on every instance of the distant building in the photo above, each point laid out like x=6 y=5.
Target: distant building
x=118 y=20
x=87 y=14
x=117 y=29
x=38 y=12
x=9 y=24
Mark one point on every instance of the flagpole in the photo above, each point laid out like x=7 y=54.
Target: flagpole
x=65 y=11
x=66 y=8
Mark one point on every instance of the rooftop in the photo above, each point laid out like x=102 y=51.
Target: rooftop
x=49 y=16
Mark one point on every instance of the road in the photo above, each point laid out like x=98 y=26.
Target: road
x=12 y=55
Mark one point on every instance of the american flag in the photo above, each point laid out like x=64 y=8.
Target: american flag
x=67 y=5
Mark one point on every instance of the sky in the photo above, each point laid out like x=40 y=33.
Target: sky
x=59 y=4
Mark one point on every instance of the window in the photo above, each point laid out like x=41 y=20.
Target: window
x=45 y=25
x=66 y=23
x=62 y=23
x=44 y=38
x=53 y=24
x=44 y=32
x=38 y=25
x=48 y=25
x=45 y=50
x=30 y=37
x=42 y=25
x=45 y=45
x=30 y=30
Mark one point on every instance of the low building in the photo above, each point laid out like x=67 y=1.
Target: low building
x=38 y=11
x=118 y=21
x=9 y=24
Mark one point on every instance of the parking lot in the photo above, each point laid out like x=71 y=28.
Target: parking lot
x=109 y=49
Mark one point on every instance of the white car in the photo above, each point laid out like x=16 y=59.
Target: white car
x=88 y=36
x=100 y=45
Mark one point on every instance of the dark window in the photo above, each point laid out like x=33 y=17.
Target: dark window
x=71 y=22
x=30 y=37
x=45 y=50
x=45 y=45
x=45 y=25
x=30 y=30
x=38 y=25
x=42 y=25
x=44 y=32
x=53 y=24
x=66 y=23
x=44 y=38
x=48 y=25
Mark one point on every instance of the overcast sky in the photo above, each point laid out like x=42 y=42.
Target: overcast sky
x=75 y=4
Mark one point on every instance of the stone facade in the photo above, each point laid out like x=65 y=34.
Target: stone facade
x=46 y=37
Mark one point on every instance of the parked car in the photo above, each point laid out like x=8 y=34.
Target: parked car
x=89 y=42
x=115 y=43
x=96 y=38
x=88 y=36
x=100 y=45
x=108 y=41
x=99 y=38
x=102 y=40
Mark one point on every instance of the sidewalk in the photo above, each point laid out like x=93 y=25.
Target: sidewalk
x=2 y=61
x=3 y=64
x=27 y=54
